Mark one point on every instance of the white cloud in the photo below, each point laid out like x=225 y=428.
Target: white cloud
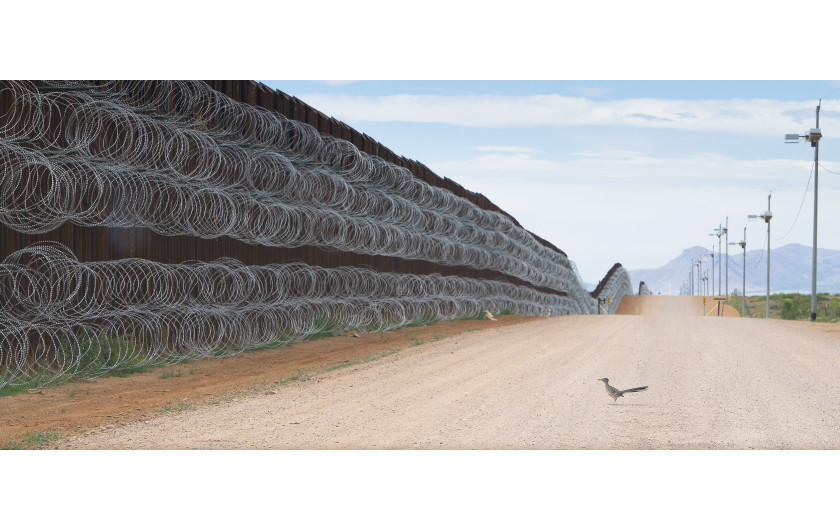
x=616 y=153
x=643 y=170
x=589 y=91
x=506 y=149
x=761 y=117
x=642 y=210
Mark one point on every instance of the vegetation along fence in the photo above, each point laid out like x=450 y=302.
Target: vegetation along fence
x=149 y=222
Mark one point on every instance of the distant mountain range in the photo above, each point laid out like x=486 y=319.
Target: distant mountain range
x=790 y=271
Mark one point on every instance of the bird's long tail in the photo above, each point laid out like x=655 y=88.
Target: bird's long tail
x=637 y=389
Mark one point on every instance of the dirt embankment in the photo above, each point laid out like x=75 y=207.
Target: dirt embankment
x=107 y=402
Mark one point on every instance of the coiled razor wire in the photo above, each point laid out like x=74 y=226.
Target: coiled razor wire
x=179 y=158
x=182 y=159
x=60 y=317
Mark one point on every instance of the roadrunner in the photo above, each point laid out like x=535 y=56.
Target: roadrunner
x=616 y=393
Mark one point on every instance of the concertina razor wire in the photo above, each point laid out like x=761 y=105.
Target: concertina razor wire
x=66 y=317
x=179 y=158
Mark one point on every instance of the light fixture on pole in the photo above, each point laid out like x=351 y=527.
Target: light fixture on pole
x=743 y=244
x=726 y=233
x=699 y=262
x=688 y=290
x=713 y=269
x=766 y=216
x=718 y=233
x=813 y=137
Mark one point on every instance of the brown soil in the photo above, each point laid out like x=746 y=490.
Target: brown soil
x=714 y=383
x=107 y=402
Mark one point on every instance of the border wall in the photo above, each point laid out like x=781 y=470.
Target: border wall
x=146 y=222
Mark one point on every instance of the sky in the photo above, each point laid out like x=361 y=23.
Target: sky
x=615 y=171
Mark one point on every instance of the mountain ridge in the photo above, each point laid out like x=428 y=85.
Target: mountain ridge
x=790 y=271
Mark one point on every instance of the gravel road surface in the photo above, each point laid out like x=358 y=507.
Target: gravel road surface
x=714 y=383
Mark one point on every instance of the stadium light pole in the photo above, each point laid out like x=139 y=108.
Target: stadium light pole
x=691 y=279
x=726 y=233
x=712 y=293
x=700 y=276
x=719 y=233
x=743 y=244
x=690 y=290
x=766 y=216
x=813 y=137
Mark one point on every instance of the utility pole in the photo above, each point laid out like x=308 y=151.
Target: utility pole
x=691 y=279
x=813 y=137
x=744 y=281
x=712 y=292
x=767 y=216
x=699 y=277
x=719 y=231
x=743 y=244
x=726 y=232
x=815 y=143
x=719 y=260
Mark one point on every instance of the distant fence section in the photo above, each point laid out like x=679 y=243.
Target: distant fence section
x=151 y=221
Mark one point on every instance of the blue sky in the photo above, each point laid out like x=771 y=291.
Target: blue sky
x=614 y=171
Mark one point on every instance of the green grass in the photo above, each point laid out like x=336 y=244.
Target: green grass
x=791 y=306
x=34 y=440
x=296 y=377
x=99 y=352
x=226 y=399
x=368 y=359
x=326 y=328
x=22 y=386
x=319 y=335
x=127 y=371
x=96 y=354
x=179 y=407
x=416 y=341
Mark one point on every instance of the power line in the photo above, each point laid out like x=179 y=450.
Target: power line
x=804 y=195
x=763 y=246
x=832 y=93
x=830 y=171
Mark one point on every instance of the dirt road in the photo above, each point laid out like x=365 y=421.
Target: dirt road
x=715 y=383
